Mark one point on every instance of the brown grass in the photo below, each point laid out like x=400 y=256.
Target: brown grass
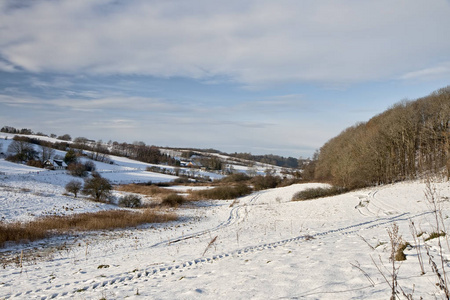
x=148 y=190
x=173 y=200
x=49 y=226
x=399 y=254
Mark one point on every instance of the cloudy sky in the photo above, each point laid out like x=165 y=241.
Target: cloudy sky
x=258 y=76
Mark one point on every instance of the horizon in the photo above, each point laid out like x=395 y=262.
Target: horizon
x=243 y=76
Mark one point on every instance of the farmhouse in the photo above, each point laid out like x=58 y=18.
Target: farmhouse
x=55 y=164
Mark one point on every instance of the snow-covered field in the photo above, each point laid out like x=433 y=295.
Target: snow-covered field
x=262 y=246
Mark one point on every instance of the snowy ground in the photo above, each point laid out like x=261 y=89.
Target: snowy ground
x=262 y=246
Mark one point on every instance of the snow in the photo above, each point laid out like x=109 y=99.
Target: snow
x=262 y=246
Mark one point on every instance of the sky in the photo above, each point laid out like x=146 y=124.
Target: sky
x=258 y=76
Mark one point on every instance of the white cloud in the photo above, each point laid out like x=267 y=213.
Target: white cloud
x=251 y=42
x=441 y=71
x=6 y=66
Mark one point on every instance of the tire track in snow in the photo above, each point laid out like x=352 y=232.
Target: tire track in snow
x=233 y=218
x=127 y=278
x=372 y=202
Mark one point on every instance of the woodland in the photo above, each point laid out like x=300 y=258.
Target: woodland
x=409 y=140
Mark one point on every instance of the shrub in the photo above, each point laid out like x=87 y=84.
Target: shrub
x=77 y=169
x=236 y=177
x=288 y=182
x=315 y=193
x=131 y=201
x=181 y=180
x=89 y=166
x=97 y=187
x=173 y=200
x=74 y=187
x=222 y=192
x=70 y=157
x=35 y=163
x=265 y=182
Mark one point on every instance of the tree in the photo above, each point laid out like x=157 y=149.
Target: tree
x=47 y=152
x=131 y=201
x=405 y=141
x=21 y=150
x=252 y=171
x=97 y=187
x=65 y=137
x=26 y=131
x=81 y=142
x=70 y=157
x=77 y=169
x=89 y=166
x=9 y=129
x=74 y=187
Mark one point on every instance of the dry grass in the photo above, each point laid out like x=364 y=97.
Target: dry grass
x=173 y=200
x=49 y=226
x=148 y=190
x=399 y=253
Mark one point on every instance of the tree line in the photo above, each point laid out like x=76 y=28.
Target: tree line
x=407 y=140
x=271 y=159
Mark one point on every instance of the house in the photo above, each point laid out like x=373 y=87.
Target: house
x=55 y=164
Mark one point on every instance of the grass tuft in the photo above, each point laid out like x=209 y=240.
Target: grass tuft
x=435 y=235
x=399 y=254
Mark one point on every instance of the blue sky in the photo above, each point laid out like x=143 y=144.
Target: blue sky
x=279 y=77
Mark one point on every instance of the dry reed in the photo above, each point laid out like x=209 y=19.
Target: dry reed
x=55 y=225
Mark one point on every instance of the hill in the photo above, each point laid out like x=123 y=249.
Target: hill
x=409 y=140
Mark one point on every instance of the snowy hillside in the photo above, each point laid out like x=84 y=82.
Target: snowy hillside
x=260 y=246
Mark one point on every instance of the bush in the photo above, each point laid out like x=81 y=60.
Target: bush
x=74 y=187
x=35 y=163
x=97 y=187
x=236 y=177
x=89 y=166
x=222 y=192
x=173 y=200
x=315 y=193
x=131 y=201
x=288 y=182
x=77 y=169
x=181 y=180
x=265 y=182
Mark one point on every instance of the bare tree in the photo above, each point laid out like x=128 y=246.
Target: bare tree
x=21 y=150
x=74 y=186
x=97 y=187
x=46 y=153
